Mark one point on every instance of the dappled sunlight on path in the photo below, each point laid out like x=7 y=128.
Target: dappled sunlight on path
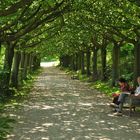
x=60 y=108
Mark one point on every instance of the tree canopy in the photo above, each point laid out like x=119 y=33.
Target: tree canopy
x=107 y=30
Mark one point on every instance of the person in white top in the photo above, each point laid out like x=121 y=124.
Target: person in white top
x=137 y=91
x=122 y=97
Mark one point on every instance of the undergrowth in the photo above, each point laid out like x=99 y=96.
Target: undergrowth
x=5 y=126
x=104 y=87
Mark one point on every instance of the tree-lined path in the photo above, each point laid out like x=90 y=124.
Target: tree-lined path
x=60 y=108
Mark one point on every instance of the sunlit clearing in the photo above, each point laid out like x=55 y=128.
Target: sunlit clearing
x=49 y=64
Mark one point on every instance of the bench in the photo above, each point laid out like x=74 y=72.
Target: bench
x=133 y=102
x=75 y=77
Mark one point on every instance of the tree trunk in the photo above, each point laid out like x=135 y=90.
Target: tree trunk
x=36 y=61
x=72 y=62
x=25 y=69
x=9 y=53
x=60 y=61
x=88 y=54
x=79 y=60
x=0 y=47
x=103 y=60
x=94 y=59
x=82 y=63
x=76 y=61
x=31 y=62
x=116 y=63
x=136 y=63
x=15 y=71
x=65 y=61
x=22 y=66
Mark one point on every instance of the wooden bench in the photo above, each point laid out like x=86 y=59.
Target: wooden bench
x=133 y=102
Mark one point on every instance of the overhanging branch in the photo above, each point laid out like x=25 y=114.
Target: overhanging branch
x=15 y=7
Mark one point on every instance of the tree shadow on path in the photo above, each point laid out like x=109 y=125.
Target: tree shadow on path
x=60 y=108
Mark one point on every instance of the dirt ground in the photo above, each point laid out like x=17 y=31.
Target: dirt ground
x=60 y=108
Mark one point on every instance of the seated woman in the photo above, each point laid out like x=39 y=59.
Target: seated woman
x=124 y=88
x=123 y=95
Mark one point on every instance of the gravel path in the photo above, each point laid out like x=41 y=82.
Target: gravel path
x=60 y=108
